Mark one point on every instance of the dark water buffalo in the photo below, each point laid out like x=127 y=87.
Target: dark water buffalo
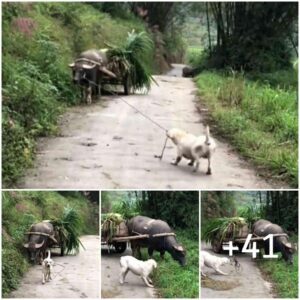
x=188 y=71
x=144 y=225
x=281 y=244
x=88 y=69
x=40 y=237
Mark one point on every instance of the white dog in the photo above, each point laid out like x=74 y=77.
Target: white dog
x=137 y=267
x=192 y=147
x=212 y=261
x=47 y=266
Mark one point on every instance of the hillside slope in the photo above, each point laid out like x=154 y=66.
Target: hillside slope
x=39 y=41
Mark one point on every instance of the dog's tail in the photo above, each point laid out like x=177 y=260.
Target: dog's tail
x=207 y=140
x=49 y=254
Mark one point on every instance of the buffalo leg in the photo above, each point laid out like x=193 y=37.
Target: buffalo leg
x=162 y=253
x=99 y=91
x=150 y=252
x=89 y=95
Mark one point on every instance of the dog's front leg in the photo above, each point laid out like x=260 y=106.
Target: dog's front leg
x=220 y=272
x=43 y=281
x=196 y=167
x=208 y=168
x=191 y=163
x=177 y=160
x=146 y=282
x=123 y=275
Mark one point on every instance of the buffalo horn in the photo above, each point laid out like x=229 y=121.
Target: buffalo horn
x=106 y=71
x=88 y=67
x=179 y=248
x=288 y=245
x=37 y=246
x=26 y=245
x=72 y=65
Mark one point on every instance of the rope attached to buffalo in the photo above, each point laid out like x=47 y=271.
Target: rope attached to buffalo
x=141 y=113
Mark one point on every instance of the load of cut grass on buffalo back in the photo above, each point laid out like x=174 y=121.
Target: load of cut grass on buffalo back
x=220 y=228
x=109 y=224
x=132 y=58
x=69 y=226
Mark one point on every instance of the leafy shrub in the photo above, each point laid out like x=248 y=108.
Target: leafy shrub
x=13 y=266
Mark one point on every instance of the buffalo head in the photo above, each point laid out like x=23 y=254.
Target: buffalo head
x=34 y=249
x=178 y=253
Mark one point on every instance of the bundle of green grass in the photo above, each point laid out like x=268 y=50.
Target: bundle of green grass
x=133 y=58
x=109 y=224
x=220 y=228
x=69 y=227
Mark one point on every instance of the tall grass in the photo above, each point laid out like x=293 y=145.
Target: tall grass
x=283 y=276
x=260 y=120
x=173 y=281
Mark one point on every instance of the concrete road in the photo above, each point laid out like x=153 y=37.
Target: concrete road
x=74 y=276
x=110 y=145
x=134 y=287
x=250 y=282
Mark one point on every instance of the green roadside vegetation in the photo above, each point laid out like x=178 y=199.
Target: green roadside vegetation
x=171 y=279
x=260 y=120
x=39 y=41
x=20 y=210
x=283 y=276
